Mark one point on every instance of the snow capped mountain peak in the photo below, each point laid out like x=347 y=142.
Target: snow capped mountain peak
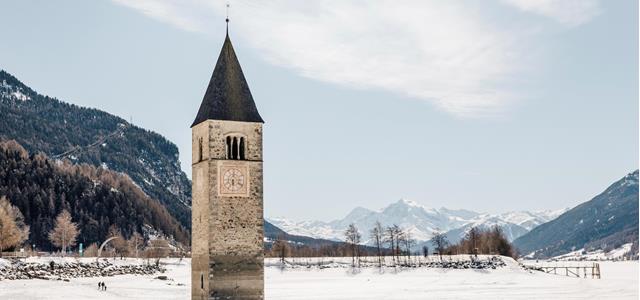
x=408 y=202
x=422 y=221
x=358 y=212
x=631 y=178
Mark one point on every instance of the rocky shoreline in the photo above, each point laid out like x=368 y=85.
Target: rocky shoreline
x=16 y=270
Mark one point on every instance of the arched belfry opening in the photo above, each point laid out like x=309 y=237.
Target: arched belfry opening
x=236 y=147
x=241 y=148
x=199 y=149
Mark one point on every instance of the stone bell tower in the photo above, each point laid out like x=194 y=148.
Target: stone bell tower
x=227 y=212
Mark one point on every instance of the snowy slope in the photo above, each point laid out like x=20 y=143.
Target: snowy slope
x=624 y=251
x=420 y=220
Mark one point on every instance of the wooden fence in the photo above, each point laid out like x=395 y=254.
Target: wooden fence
x=592 y=271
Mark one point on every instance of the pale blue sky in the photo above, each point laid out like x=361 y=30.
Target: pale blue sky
x=484 y=105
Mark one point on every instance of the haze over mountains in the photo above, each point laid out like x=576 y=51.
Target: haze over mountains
x=420 y=220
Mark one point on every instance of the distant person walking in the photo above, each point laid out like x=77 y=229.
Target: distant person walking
x=99 y=285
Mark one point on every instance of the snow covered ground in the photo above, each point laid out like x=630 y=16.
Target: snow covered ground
x=619 y=281
x=581 y=254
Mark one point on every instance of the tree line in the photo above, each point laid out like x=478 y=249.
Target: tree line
x=397 y=243
x=54 y=127
x=95 y=198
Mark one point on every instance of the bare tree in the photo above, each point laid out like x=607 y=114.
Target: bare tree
x=425 y=251
x=473 y=239
x=119 y=243
x=136 y=242
x=281 y=248
x=440 y=241
x=400 y=236
x=377 y=236
x=64 y=232
x=408 y=244
x=157 y=249
x=390 y=237
x=353 y=237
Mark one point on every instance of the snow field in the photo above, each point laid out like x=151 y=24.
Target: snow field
x=619 y=281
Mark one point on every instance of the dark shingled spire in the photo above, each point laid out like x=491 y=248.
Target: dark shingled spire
x=228 y=96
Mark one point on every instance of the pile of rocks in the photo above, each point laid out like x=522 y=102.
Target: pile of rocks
x=470 y=262
x=491 y=263
x=65 y=271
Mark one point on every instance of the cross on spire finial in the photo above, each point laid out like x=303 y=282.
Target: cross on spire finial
x=227 y=19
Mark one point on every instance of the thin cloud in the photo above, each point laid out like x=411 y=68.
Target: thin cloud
x=568 y=12
x=443 y=52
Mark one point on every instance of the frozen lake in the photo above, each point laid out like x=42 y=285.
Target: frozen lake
x=619 y=281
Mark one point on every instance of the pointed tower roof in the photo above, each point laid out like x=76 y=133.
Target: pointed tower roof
x=228 y=96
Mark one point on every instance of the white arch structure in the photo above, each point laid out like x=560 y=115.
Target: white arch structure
x=104 y=244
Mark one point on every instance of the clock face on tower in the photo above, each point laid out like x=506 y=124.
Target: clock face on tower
x=234 y=180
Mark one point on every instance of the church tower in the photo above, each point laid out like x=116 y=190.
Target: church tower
x=227 y=209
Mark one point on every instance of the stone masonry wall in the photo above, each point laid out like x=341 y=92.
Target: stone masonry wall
x=233 y=226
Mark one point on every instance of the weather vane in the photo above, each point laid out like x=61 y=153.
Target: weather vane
x=227 y=19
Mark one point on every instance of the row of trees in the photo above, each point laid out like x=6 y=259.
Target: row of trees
x=391 y=240
x=396 y=242
x=54 y=127
x=96 y=198
x=64 y=235
x=484 y=241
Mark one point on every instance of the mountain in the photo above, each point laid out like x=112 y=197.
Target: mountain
x=420 y=220
x=86 y=135
x=514 y=224
x=96 y=198
x=607 y=221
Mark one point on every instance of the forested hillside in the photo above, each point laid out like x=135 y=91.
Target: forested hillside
x=96 y=198
x=86 y=135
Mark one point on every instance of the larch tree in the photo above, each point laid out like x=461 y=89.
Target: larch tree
x=14 y=230
x=64 y=233
x=91 y=251
x=136 y=243
x=157 y=249
x=9 y=233
x=119 y=243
